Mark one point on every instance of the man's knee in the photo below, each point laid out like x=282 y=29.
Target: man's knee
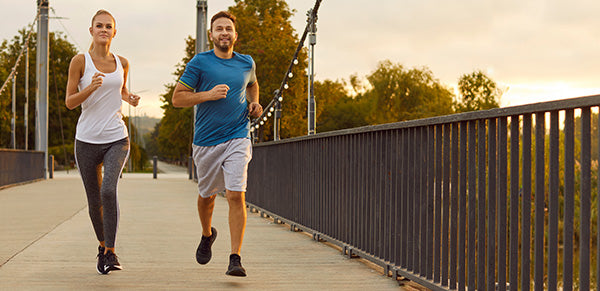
x=235 y=196
x=207 y=200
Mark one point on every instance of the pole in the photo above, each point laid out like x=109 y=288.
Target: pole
x=201 y=45
x=41 y=102
x=14 y=113
x=312 y=40
x=201 y=29
x=129 y=163
x=26 y=109
x=201 y=38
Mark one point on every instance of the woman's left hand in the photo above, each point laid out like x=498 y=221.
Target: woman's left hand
x=134 y=99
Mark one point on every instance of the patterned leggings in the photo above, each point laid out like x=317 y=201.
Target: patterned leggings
x=102 y=191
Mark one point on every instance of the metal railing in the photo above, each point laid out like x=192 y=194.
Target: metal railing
x=18 y=166
x=442 y=201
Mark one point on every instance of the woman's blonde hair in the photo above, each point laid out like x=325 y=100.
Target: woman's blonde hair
x=100 y=12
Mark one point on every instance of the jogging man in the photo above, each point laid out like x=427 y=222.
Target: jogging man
x=222 y=85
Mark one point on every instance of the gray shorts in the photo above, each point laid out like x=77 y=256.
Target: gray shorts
x=223 y=166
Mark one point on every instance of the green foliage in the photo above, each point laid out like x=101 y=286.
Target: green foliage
x=336 y=109
x=477 y=92
x=62 y=154
x=175 y=134
x=594 y=136
x=398 y=94
x=150 y=139
x=60 y=54
x=393 y=94
x=138 y=157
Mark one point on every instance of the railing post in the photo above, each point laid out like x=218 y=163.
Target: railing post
x=190 y=168
x=195 y=172
x=13 y=136
x=277 y=121
x=155 y=167
x=51 y=166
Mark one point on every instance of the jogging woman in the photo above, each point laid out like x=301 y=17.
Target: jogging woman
x=96 y=82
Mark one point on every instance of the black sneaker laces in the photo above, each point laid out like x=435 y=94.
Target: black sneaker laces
x=205 y=243
x=236 y=260
x=111 y=258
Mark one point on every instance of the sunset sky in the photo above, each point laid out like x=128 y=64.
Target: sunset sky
x=536 y=50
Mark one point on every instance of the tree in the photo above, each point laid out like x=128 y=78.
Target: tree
x=477 y=92
x=391 y=94
x=397 y=94
x=336 y=109
x=138 y=157
x=150 y=139
x=61 y=121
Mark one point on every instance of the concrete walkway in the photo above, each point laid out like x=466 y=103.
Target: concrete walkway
x=166 y=168
x=48 y=243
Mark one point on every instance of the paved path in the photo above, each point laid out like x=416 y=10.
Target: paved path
x=48 y=243
x=166 y=168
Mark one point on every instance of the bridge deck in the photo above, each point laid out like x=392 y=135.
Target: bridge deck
x=47 y=242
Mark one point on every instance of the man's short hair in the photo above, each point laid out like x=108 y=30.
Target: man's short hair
x=221 y=15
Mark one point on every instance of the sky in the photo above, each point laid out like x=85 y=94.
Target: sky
x=535 y=50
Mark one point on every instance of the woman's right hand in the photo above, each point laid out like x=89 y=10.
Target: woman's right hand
x=96 y=81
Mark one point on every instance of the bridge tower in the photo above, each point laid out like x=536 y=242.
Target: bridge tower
x=41 y=102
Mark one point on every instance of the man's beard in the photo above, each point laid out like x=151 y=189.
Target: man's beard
x=222 y=47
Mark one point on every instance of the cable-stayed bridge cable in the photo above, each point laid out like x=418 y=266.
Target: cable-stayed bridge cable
x=277 y=98
x=13 y=71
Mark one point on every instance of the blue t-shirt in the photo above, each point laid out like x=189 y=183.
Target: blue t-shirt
x=225 y=119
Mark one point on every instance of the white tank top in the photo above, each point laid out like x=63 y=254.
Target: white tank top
x=101 y=120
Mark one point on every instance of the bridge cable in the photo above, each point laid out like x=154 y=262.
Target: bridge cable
x=25 y=45
x=65 y=28
x=277 y=99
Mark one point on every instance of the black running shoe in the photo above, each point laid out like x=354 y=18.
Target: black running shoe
x=235 y=266
x=100 y=265
x=111 y=263
x=203 y=253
